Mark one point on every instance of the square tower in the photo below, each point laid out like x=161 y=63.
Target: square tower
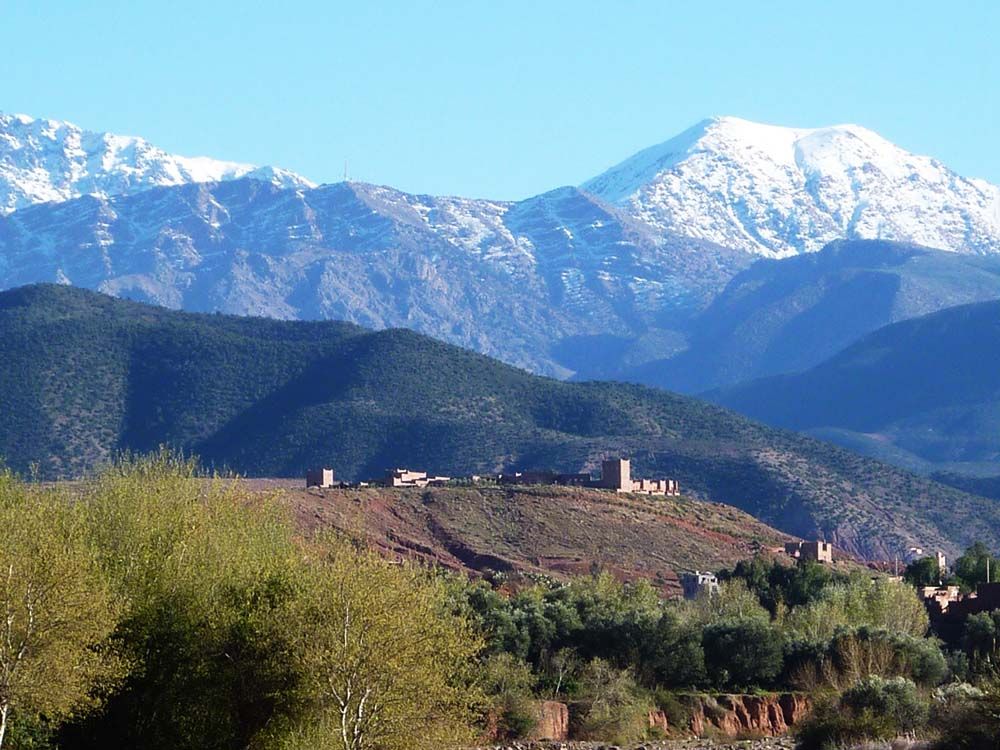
x=616 y=474
x=320 y=477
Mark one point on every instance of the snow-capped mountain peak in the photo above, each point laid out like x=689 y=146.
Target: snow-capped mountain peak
x=778 y=191
x=49 y=160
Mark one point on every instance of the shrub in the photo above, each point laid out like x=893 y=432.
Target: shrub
x=827 y=727
x=854 y=654
x=507 y=683
x=968 y=718
x=613 y=709
x=742 y=655
x=894 y=699
x=678 y=710
x=872 y=709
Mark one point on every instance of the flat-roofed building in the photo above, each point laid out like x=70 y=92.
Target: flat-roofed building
x=320 y=478
x=408 y=478
x=815 y=551
x=695 y=582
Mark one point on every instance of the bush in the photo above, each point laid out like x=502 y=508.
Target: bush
x=612 y=707
x=507 y=683
x=854 y=654
x=742 y=655
x=827 y=727
x=894 y=699
x=677 y=708
x=872 y=709
x=968 y=718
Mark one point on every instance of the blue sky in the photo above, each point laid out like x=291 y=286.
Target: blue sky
x=499 y=99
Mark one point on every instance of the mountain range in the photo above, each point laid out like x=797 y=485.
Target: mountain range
x=86 y=375
x=785 y=316
x=778 y=191
x=923 y=393
x=605 y=280
x=44 y=161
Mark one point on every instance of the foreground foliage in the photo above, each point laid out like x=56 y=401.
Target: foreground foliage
x=185 y=612
x=55 y=608
x=188 y=614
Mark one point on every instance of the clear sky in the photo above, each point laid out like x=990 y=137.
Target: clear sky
x=500 y=99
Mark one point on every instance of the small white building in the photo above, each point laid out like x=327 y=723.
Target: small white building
x=696 y=581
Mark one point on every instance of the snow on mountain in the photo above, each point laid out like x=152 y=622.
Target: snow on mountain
x=42 y=161
x=542 y=283
x=572 y=281
x=779 y=191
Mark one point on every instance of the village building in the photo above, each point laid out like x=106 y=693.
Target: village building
x=939 y=598
x=323 y=478
x=616 y=474
x=948 y=610
x=695 y=582
x=815 y=551
x=407 y=478
x=942 y=563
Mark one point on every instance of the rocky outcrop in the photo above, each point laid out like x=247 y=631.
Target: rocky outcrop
x=658 y=720
x=553 y=721
x=735 y=715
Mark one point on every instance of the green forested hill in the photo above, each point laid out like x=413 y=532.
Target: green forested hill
x=83 y=376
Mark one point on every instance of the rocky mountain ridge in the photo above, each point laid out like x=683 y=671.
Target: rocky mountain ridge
x=545 y=283
x=607 y=281
x=44 y=161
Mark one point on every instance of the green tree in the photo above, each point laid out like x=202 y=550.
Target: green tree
x=733 y=601
x=743 y=654
x=975 y=566
x=676 y=657
x=384 y=663
x=208 y=573
x=881 y=605
x=778 y=585
x=923 y=572
x=979 y=637
x=57 y=609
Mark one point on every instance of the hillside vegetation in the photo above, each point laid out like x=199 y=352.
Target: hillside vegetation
x=83 y=376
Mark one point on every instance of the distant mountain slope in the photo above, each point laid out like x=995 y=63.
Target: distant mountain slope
x=83 y=375
x=923 y=392
x=556 y=283
x=784 y=316
x=781 y=191
x=589 y=283
x=47 y=160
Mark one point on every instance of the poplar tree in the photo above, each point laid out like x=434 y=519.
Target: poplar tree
x=55 y=608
